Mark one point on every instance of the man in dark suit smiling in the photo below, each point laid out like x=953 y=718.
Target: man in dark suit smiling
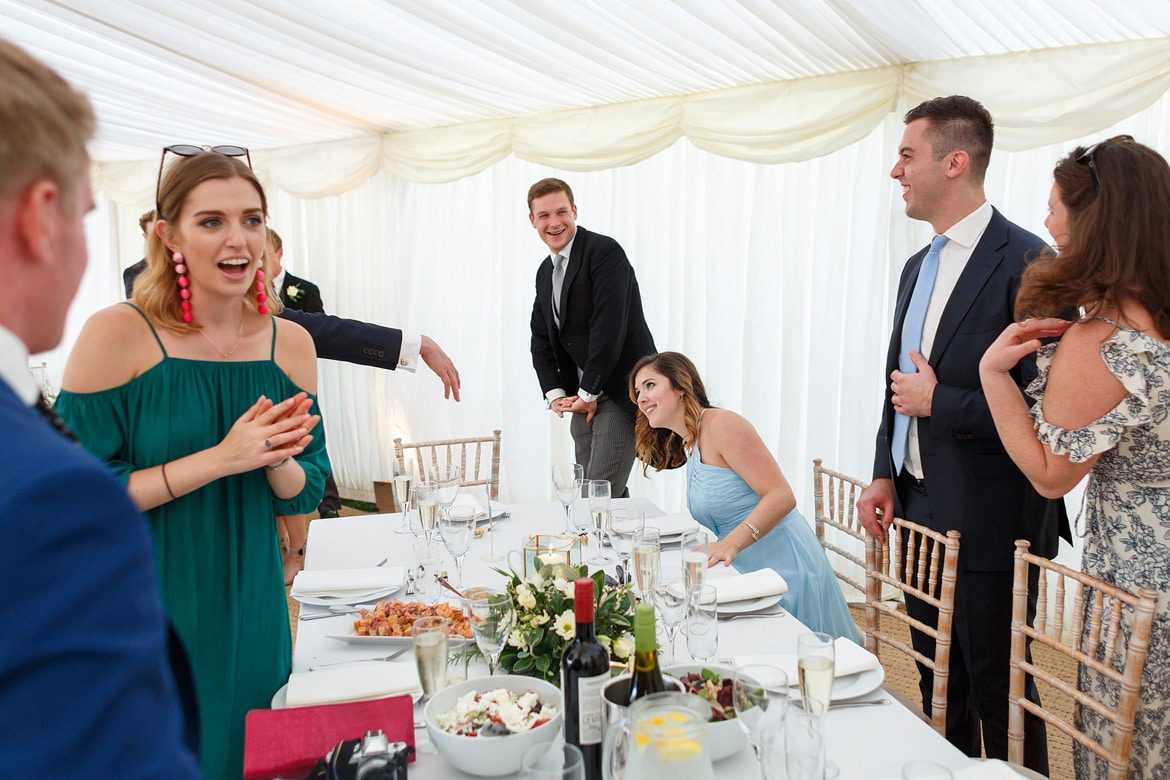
x=938 y=460
x=587 y=332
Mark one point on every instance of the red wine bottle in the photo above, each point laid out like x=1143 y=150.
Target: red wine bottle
x=647 y=677
x=584 y=673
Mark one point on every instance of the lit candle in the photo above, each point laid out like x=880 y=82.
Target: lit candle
x=551 y=558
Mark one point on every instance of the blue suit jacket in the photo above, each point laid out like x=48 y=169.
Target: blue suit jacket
x=87 y=686
x=973 y=485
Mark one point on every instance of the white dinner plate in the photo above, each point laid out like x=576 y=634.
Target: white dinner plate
x=389 y=641
x=749 y=605
x=280 y=698
x=356 y=598
x=850 y=686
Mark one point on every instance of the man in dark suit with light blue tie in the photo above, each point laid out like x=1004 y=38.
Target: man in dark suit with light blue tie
x=91 y=678
x=938 y=459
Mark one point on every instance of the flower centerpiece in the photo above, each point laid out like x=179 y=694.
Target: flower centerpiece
x=545 y=622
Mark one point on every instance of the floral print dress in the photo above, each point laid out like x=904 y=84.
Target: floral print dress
x=1126 y=515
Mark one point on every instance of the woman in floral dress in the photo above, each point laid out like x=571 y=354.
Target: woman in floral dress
x=1103 y=400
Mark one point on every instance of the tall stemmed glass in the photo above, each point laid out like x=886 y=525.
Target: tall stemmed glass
x=424 y=510
x=403 y=480
x=567 y=479
x=670 y=599
x=624 y=526
x=815 y=661
x=492 y=618
x=647 y=560
x=457 y=527
x=599 y=511
x=446 y=479
x=695 y=548
x=759 y=694
x=491 y=556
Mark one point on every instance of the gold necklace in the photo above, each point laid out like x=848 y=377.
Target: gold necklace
x=232 y=351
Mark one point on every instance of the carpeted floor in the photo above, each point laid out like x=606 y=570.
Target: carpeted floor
x=902 y=675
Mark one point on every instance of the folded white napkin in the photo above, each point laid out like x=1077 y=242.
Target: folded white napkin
x=673 y=525
x=316 y=582
x=351 y=683
x=851 y=658
x=753 y=585
x=472 y=501
x=986 y=769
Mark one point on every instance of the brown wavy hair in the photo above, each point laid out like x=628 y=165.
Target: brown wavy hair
x=662 y=448
x=156 y=291
x=1118 y=238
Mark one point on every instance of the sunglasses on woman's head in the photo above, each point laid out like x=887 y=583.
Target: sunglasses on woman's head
x=1087 y=157
x=190 y=150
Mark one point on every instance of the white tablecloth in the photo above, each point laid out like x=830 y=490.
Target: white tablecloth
x=869 y=743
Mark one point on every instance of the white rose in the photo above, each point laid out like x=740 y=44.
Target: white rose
x=539 y=620
x=516 y=639
x=624 y=646
x=525 y=598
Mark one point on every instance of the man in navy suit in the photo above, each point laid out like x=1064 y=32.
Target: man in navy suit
x=90 y=685
x=587 y=340
x=954 y=473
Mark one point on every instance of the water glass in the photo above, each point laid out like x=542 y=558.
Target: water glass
x=429 y=636
x=447 y=479
x=492 y=618
x=426 y=561
x=695 y=546
x=457 y=527
x=703 y=624
x=759 y=694
x=552 y=761
x=804 y=746
x=624 y=526
x=599 y=494
x=567 y=479
x=815 y=657
x=925 y=770
x=647 y=560
x=404 y=478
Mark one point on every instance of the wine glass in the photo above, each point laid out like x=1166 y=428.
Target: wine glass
x=492 y=618
x=759 y=694
x=647 y=559
x=403 y=480
x=703 y=624
x=457 y=527
x=599 y=512
x=491 y=556
x=567 y=479
x=446 y=479
x=815 y=656
x=424 y=503
x=670 y=599
x=624 y=526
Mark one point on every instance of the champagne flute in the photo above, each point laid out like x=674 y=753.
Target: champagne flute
x=599 y=511
x=759 y=694
x=814 y=661
x=703 y=624
x=670 y=599
x=492 y=618
x=429 y=635
x=446 y=479
x=491 y=556
x=624 y=526
x=424 y=502
x=402 y=483
x=457 y=527
x=647 y=560
x=695 y=546
x=567 y=478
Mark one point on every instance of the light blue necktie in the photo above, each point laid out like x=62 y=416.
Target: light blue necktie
x=912 y=340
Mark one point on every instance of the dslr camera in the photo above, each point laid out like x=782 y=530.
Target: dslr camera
x=372 y=757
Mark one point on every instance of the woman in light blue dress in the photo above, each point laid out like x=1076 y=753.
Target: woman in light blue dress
x=734 y=488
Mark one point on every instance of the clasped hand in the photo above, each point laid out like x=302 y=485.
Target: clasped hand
x=268 y=434
x=913 y=394
x=573 y=403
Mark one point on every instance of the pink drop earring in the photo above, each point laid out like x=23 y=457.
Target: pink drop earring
x=261 y=296
x=184 y=286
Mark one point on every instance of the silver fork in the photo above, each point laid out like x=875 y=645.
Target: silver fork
x=390 y=657
x=750 y=615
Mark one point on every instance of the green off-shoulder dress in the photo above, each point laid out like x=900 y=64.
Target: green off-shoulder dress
x=216 y=548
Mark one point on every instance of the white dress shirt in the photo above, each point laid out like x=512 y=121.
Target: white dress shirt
x=14 y=367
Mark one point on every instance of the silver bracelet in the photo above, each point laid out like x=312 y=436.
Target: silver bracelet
x=755 y=531
x=280 y=465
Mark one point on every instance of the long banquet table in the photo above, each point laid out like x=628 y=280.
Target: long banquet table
x=865 y=742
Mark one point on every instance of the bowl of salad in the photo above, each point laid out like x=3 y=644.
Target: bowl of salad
x=712 y=683
x=483 y=726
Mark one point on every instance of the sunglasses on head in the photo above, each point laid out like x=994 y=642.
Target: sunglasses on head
x=190 y=150
x=1086 y=157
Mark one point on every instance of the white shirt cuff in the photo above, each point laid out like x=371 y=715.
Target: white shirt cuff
x=408 y=356
x=554 y=394
x=586 y=396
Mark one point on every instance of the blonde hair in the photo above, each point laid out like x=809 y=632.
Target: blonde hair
x=44 y=126
x=156 y=291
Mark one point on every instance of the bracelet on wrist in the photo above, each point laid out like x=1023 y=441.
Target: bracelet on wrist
x=167 y=482
x=280 y=465
x=755 y=531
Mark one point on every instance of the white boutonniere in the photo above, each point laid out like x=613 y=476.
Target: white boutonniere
x=293 y=292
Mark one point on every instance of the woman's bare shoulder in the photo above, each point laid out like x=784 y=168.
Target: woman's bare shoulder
x=296 y=355
x=114 y=346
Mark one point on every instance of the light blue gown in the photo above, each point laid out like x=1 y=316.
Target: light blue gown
x=720 y=499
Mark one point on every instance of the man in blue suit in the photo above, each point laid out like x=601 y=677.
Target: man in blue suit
x=90 y=684
x=939 y=461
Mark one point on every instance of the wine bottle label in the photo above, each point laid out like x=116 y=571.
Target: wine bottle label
x=589 y=703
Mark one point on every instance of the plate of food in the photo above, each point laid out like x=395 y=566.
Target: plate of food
x=712 y=683
x=389 y=623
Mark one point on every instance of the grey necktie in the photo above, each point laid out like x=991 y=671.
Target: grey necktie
x=558 y=279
